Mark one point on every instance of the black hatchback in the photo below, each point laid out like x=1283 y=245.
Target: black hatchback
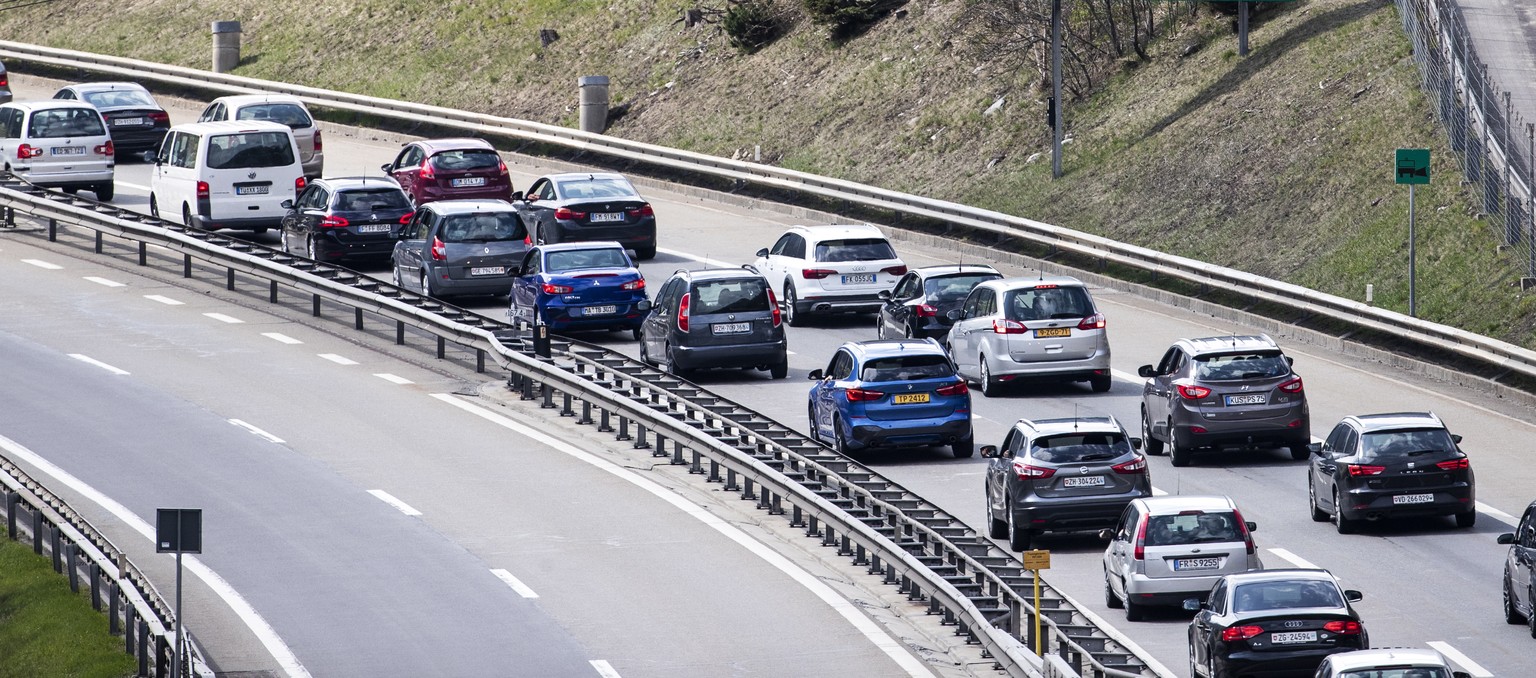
x=345 y=218
x=1388 y=466
x=918 y=305
x=716 y=318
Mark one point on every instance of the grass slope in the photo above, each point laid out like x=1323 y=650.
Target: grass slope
x=1278 y=163
x=45 y=630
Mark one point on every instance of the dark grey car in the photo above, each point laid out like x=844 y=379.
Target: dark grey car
x=716 y=318
x=5 y=85
x=460 y=247
x=1216 y=392
x=1062 y=475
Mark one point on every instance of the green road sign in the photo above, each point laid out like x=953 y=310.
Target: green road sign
x=1412 y=165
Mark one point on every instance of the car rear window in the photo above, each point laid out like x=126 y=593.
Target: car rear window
x=1045 y=303
x=291 y=115
x=1409 y=445
x=729 y=296
x=1075 y=447
x=483 y=227
x=120 y=97
x=576 y=260
x=1398 y=672
x=370 y=200
x=954 y=287
x=249 y=149
x=1239 y=366
x=906 y=367
x=1194 y=527
x=61 y=123
x=854 y=249
x=596 y=188
x=1280 y=595
x=458 y=161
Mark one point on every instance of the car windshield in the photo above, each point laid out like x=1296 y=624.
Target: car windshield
x=1397 y=672
x=729 y=296
x=954 y=287
x=454 y=161
x=120 y=97
x=855 y=249
x=1239 y=366
x=1071 y=448
x=1285 y=594
x=906 y=367
x=62 y=123
x=1048 y=302
x=1400 y=446
x=1192 y=527
x=250 y=149
x=371 y=200
x=576 y=260
x=596 y=188
x=483 y=227
x=291 y=115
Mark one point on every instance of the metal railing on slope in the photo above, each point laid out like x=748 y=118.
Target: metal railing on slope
x=1499 y=354
x=930 y=555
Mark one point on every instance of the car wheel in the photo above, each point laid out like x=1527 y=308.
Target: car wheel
x=1019 y=539
x=989 y=387
x=1179 y=455
x=104 y=192
x=672 y=367
x=645 y=354
x=1342 y=524
x=906 y=331
x=963 y=449
x=1111 y=600
x=1101 y=382
x=839 y=441
x=645 y=253
x=394 y=269
x=1511 y=615
x=310 y=250
x=186 y=216
x=1300 y=453
x=1153 y=445
x=1530 y=619
x=1134 y=611
x=1466 y=520
x=426 y=283
x=879 y=326
x=1318 y=514
x=1192 y=672
x=996 y=529
x=791 y=317
x=154 y=206
x=780 y=369
x=810 y=418
x=635 y=333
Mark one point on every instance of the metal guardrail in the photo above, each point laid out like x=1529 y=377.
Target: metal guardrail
x=932 y=556
x=1502 y=355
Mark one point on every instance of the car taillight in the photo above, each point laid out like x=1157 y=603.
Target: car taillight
x=642 y=211
x=816 y=273
x=857 y=395
x=551 y=288
x=159 y=117
x=202 y=189
x=104 y=149
x=682 y=312
x=1001 y=326
x=1026 y=472
x=925 y=311
x=1189 y=392
x=4 y=81
x=633 y=285
x=1092 y=322
x=334 y=222
x=25 y=151
x=298 y=186
x=773 y=303
x=1366 y=470
x=439 y=250
x=1247 y=536
x=1345 y=627
x=957 y=388
x=319 y=146
x=568 y=214
x=427 y=172
x=1292 y=386
x=1141 y=538
x=895 y=270
x=1461 y=464
x=407 y=218
x=1235 y=633
x=501 y=167
x=1137 y=465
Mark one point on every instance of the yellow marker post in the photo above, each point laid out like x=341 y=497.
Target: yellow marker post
x=1035 y=561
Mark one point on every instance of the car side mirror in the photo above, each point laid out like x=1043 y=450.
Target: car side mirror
x=1315 y=448
x=1290 y=361
x=1136 y=443
x=1353 y=596
x=989 y=451
x=884 y=295
x=1145 y=371
x=1252 y=526
x=952 y=314
x=388 y=169
x=762 y=252
x=517 y=195
x=152 y=157
x=815 y=375
x=1106 y=534
x=1456 y=438
x=643 y=305
x=1193 y=604
x=1507 y=538
x=1460 y=674
x=286 y=204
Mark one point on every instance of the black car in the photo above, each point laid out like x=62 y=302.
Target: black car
x=5 y=85
x=917 y=306
x=459 y=247
x=1272 y=622
x=1394 y=465
x=1519 y=587
x=135 y=120
x=588 y=207
x=346 y=218
x=716 y=318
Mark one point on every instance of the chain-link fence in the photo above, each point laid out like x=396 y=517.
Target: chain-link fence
x=1493 y=144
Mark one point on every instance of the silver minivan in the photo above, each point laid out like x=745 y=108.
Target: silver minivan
x=1170 y=548
x=1018 y=328
x=280 y=108
x=58 y=144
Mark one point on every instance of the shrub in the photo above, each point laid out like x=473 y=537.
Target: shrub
x=751 y=24
x=845 y=16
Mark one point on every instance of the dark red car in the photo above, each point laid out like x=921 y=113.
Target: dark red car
x=451 y=169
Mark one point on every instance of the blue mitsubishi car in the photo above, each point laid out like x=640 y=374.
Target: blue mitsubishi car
x=580 y=286
x=891 y=393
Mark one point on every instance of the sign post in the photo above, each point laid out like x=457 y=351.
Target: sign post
x=1412 y=169
x=1035 y=561
x=178 y=531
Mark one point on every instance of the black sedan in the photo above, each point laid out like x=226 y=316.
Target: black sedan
x=917 y=305
x=588 y=207
x=1402 y=464
x=1272 y=622
x=135 y=120
x=346 y=218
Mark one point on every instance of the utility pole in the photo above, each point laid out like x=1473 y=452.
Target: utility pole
x=1057 y=124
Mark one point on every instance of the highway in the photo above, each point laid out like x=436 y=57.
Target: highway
x=1425 y=583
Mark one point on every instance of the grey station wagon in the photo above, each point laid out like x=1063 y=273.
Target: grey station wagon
x=716 y=318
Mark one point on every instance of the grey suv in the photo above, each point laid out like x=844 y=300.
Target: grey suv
x=1215 y=392
x=716 y=318
x=1519 y=586
x=1026 y=328
x=1062 y=475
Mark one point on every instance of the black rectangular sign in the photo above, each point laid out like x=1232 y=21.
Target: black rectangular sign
x=178 y=530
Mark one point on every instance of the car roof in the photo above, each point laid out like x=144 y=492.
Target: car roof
x=106 y=86
x=1024 y=283
x=1058 y=426
x=1176 y=503
x=719 y=274
x=950 y=269
x=48 y=104
x=351 y=183
x=248 y=99
x=838 y=231
x=450 y=207
x=1282 y=574
x=885 y=348
x=1395 y=656
x=570 y=176
x=432 y=146
x=570 y=246
x=1229 y=344
x=1391 y=421
x=227 y=126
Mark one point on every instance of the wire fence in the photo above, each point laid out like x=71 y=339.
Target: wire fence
x=1493 y=144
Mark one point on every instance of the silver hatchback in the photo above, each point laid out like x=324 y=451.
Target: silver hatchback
x=1167 y=549
x=58 y=144
x=1023 y=328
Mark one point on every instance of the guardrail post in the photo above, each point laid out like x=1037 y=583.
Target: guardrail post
x=796 y=519
x=442 y=344
x=186 y=270
x=37 y=532
x=11 y=500
x=95 y=586
x=142 y=631
x=714 y=470
x=143 y=253
x=565 y=409
x=113 y=626
x=586 y=412
x=747 y=491
x=229 y=280
x=53 y=229
x=640 y=442
x=661 y=445
x=603 y=424
x=812 y=525
x=314 y=308
x=74 y=572
x=730 y=482
x=545 y=390
x=479 y=353
x=623 y=428
x=130 y=630
x=677 y=453
x=55 y=550
x=9 y=214
x=98 y=242
x=399 y=331
x=357 y=324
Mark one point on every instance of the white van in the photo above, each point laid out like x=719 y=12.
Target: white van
x=283 y=108
x=233 y=174
x=58 y=144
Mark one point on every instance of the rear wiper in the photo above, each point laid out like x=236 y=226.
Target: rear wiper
x=1060 y=316
x=1253 y=375
x=1097 y=457
x=1417 y=453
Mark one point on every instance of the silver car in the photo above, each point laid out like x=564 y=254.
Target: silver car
x=279 y=108
x=1025 y=328
x=1388 y=662
x=1171 y=548
x=58 y=144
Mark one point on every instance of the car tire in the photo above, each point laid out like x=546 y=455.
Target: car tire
x=1300 y=452
x=673 y=369
x=839 y=441
x=810 y=420
x=1530 y=619
x=780 y=369
x=1318 y=514
x=1153 y=446
x=990 y=387
x=963 y=449
x=635 y=333
x=906 y=332
x=1341 y=523
x=426 y=283
x=879 y=325
x=1135 y=611
x=104 y=192
x=1018 y=539
x=394 y=272
x=1192 y=672
x=154 y=206
x=1180 y=455
x=996 y=529
x=1111 y=600
x=1101 y=382
x=311 y=249
x=645 y=253
x=1511 y=615
x=1466 y=520
x=792 y=317
x=645 y=354
x=186 y=215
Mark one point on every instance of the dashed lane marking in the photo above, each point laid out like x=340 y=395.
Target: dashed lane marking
x=92 y=361
x=392 y=501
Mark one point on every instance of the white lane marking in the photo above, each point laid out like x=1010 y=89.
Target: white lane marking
x=263 y=434
x=604 y=669
x=695 y=257
x=338 y=359
x=1127 y=376
x=392 y=501
x=393 y=379
x=278 y=336
x=164 y=300
x=42 y=264
x=241 y=607
x=517 y=585
x=789 y=352
x=98 y=363
x=1455 y=655
x=1293 y=559
x=120 y=182
x=871 y=630
x=1496 y=513
x=103 y=281
x=1159 y=492
x=224 y=318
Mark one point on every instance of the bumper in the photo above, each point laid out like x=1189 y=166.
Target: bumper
x=738 y=355
x=1073 y=514
x=1252 y=664
x=560 y=318
x=1006 y=368
x=435 y=193
x=931 y=329
x=211 y=224
x=66 y=179
x=1375 y=505
x=125 y=142
x=445 y=286
x=641 y=234
x=1251 y=433
x=1169 y=590
x=313 y=165
x=333 y=249
x=868 y=433
x=841 y=303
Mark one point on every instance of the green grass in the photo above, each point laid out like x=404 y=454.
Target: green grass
x=46 y=630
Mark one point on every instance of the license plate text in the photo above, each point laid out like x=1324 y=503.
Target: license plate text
x=730 y=328
x=1083 y=481
x=599 y=310
x=909 y=398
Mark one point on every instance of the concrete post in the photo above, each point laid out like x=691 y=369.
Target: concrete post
x=226 y=46
x=594 y=103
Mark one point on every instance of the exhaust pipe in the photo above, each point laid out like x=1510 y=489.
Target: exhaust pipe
x=822 y=307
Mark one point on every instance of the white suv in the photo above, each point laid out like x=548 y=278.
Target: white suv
x=58 y=144
x=1170 y=548
x=830 y=269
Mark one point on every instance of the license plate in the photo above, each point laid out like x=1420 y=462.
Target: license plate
x=373 y=228
x=599 y=310
x=1053 y=332
x=1413 y=499
x=1196 y=564
x=69 y=150
x=128 y=121
x=1251 y=399
x=1293 y=637
x=468 y=181
x=730 y=328
x=487 y=270
x=251 y=190
x=1083 y=481
x=909 y=398
x=606 y=216
x=859 y=279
